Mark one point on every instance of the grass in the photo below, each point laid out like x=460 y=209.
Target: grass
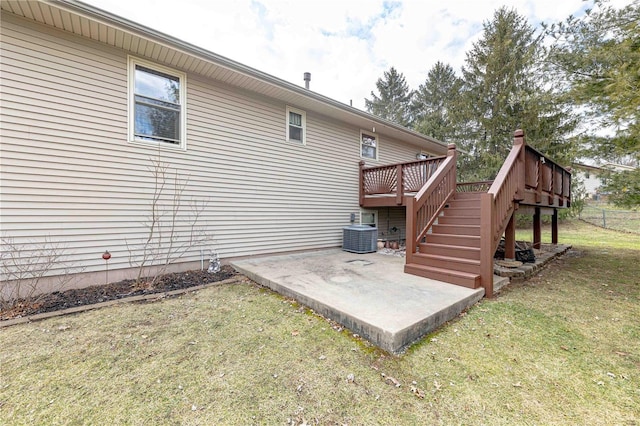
x=561 y=348
x=609 y=216
x=585 y=236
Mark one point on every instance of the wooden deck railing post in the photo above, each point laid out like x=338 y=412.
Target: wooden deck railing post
x=566 y=187
x=552 y=184
x=361 y=186
x=540 y=180
x=451 y=152
x=561 y=190
x=486 y=243
x=451 y=149
x=518 y=139
x=399 y=185
x=410 y=236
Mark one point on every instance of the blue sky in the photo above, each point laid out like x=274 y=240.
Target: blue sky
x=346 y=45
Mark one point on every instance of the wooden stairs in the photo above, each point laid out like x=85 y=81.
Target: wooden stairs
x=452 y=228
x=451 y=251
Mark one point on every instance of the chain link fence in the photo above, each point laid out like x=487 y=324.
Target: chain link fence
x=621 y=220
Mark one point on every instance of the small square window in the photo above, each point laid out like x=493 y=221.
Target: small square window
x=296 y=126
x=368 y=145
x=368 y=217
x=156 y=104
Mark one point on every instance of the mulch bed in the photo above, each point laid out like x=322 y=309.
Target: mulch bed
x=60 y=300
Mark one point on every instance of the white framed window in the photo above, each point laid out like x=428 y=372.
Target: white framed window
x=296 y=125
x=368 y=145
x=369 y=217
x=157 y=104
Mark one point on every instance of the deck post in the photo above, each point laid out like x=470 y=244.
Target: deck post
x=561 y=191
x=399 y=185
x=537 y=235
x=510 y=238
x=486 y=243
x=518 y=139
x=540 y=180
x=410 y=235
x=552 y=190
x=361 y=185
x=554 y=227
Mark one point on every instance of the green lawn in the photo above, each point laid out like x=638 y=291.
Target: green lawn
x=561 y=348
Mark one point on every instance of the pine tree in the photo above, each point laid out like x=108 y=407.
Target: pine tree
x=503 y=91
x=434 y=104
x=599 y=57
x=394 y=100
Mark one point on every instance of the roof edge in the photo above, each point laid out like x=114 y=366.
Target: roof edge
x=109 y=18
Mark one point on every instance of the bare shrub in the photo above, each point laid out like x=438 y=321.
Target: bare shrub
x=24 y=266
x=172 y=228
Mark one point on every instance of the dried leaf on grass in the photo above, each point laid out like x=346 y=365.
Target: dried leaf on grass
x=390 y=380
x=417 y=392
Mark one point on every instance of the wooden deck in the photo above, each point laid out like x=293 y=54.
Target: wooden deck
x=391 y=185
x=453 y=228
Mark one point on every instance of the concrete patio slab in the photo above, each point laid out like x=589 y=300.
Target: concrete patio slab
x=368 y=293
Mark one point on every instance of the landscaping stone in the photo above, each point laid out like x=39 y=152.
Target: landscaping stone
x=547 y=253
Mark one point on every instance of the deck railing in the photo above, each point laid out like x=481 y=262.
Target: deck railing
x=546 y=182
x=526 y=177
x=397 y=179
x=426 y=205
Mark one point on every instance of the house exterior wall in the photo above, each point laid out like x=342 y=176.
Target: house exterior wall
x=390 y=218
x=69 y=175
x=591 y=180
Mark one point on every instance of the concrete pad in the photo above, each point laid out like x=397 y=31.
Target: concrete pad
x=368 y=293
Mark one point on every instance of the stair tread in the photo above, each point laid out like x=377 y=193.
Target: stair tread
x=453 y=208
x=468 y=194
x=464 y=279
x=448 y=258
x=456 y=216
x=450 y=246
x=461 y=218
x=440 y=234
x=444 y=271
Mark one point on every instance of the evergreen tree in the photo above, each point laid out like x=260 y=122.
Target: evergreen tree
x=599 y=56
x=503 y=91
x=394 y=100
x=434 y=104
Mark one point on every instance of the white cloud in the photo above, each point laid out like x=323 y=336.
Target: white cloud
x=345 y=44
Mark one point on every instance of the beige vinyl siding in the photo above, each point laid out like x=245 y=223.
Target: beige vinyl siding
x=69 y=174
x=388 y=218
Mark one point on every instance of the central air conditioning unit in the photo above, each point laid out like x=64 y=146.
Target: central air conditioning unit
x=359 y=239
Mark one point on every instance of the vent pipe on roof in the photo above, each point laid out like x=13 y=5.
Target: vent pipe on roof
x=307 y=79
